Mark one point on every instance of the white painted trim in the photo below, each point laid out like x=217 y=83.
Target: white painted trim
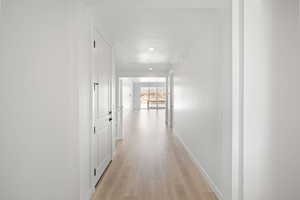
x=237 y=97
x=171 y=112
x=114 y=102
x=167 y=101
x=119 y=107
x=92 y=189
x=210 y=182
x=90 y=193
x=93 y=31
x=102 y=36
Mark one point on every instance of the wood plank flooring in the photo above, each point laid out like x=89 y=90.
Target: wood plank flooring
x=151 y=164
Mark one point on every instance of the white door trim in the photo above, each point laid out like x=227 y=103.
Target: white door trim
x=167 y=101
x=171 y=99
x=119 y=108
x=237 y=97
x=94 y=179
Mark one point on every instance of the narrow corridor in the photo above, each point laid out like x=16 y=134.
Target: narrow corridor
x=151 y=164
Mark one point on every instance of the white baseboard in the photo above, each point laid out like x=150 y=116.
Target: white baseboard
x=210 y=182
x=90 y=193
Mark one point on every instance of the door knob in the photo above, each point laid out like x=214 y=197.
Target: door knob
x=110 y=119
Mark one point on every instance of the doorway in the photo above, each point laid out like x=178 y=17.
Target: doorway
x=101 y=138
x=137 y=94
x=153 y=97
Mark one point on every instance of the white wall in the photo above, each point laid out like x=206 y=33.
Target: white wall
x=202 y=102
x=136 y=96
x=82 y=53
x=127 y=94
x=44 y=103
x=38 y=112
x=271 y=100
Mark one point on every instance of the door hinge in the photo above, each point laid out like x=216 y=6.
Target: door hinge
x=95 y=85
x=94 y=129
x=95 y=172
x=94 y=43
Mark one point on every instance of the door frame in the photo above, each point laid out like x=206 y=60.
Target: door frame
x=119 y=114
x=119 y=95
x=171 y=118
x=237 y=98
x=170 y=99
x=95 y=31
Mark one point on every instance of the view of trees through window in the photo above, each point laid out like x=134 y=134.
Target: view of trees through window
x=153 y=98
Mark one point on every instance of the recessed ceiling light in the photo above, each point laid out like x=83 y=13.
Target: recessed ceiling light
x=151 y=49
x=150 y=68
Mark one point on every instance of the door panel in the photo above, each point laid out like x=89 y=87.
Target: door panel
x=102 y=137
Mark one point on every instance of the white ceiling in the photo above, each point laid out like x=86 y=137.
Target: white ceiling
x=158 y=3
x=146 y=79
x=168 y=26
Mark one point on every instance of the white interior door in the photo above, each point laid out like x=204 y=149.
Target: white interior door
x=102 y=136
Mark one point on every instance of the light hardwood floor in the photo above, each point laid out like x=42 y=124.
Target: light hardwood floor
x=151 y=164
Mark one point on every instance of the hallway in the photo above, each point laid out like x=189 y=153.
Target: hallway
x=227 y=72
x=151 y=165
